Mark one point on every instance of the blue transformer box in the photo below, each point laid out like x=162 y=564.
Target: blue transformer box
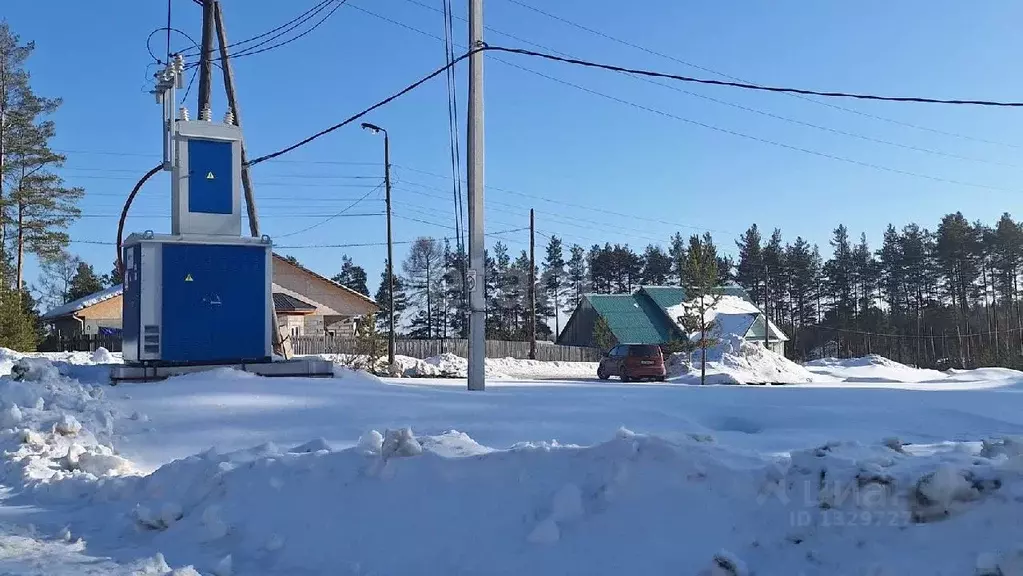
x=191 y=299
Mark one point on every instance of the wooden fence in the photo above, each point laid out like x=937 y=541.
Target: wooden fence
x=81 y=343
x=458 y=347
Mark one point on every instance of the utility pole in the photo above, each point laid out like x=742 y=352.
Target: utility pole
x=206 y=60
x=767 y=308
x=532 y=285
x=474 y=176
x=280 y=346
x=390 y=244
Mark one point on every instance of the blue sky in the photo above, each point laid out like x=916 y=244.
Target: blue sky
x=634 y=164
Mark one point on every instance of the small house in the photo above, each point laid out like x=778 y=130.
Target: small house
x=650 y=316
x=306 y=303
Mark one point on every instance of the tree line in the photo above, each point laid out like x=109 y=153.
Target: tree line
x=943 y=298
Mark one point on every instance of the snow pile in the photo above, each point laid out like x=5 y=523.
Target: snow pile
x=737 y=361
x=451 y=366
x=872 y=368
x=840 y=508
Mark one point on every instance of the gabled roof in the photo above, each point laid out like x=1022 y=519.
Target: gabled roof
x=288 y=303
x=280 y=258
x=633 y=318
x=82 y=303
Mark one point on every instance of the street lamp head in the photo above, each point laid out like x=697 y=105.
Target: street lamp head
x=372 y=127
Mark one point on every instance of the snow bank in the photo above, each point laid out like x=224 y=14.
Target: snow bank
x=871 y=368
x=737 y=361
x=874 y=369
x=451 y=366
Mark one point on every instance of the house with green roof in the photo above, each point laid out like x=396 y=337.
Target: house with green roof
x=650 y=316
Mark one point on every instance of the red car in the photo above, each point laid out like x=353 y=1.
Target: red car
x=633 y=362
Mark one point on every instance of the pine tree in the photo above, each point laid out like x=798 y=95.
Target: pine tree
x=114 y=278
x=85 y=282
x=454 y=287
x=400 y=300
x=577 y=274
x=33 y=198
x=749 y=272
x=17 y=327
x=803 y=276
x=603 y=338
x=352 y=276
x=893 y=271
x=677 y=253
x=423 y=268
x=700 y=280
x=553 y=280
x=657 y=266
x=775 y=287
x=840 y=273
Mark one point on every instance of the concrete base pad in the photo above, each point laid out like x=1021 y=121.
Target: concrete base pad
x=300 y=368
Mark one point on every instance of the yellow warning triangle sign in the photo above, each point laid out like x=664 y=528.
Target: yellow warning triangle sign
x=209 y=175
x=188 y=277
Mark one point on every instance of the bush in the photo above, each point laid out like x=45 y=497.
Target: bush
x=17 y=326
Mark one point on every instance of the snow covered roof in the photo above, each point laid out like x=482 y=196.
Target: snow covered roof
x=733 y=315
x=83 y=303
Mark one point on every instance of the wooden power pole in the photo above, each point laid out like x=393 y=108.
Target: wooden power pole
x=206 y=60
x=532 y=285
x=280 y=345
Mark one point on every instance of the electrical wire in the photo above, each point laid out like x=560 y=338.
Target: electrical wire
x=456 y=181
x=359 y=115
x=268 y=32
x=730 y=77
x=748 y=86
x=124 y=212
x=337 y=215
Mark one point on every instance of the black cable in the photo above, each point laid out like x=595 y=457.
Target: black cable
x=189 y=87
x=747 y=86
x=456 y=181
x=169 y=29
x=737 y=79
x=329 y=218
x=124 y=212
x=268 y=32
x=351 y=119
x=249 y=52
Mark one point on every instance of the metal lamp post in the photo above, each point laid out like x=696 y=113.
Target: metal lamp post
x=390 y=244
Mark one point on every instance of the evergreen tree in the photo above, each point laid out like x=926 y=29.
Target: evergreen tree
x=456 y=296
x=700 y=280
x=677 y=253
x=657 y=266
x=352 y=276
x=749 y=272
x=956 y=253
x=554 y=279
x=114 y=278
x=18 y=329
x=33 y=198
x=603 y=338
x=84 y=282
x=804 y=270
x=773 y=255
x=840 y=272
x=577 y=274
x=400 y=300
x=893 y=272
x=423 y=268
x=598 y=262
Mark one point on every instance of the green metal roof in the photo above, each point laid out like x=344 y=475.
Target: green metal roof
x=633 y=318
x=665 y=296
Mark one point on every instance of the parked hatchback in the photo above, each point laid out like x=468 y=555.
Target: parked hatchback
x=633 y=362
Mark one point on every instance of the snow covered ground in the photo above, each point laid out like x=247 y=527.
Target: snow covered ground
x=532 y=476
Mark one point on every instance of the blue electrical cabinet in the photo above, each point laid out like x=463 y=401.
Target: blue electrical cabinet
x=189 y=300
x=210 y=185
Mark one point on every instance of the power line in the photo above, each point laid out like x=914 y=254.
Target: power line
x=351 y=119
x=748 y=86
x=268 y=32
x=724 y=75
x=337 y=215
x=732 y=104
x=704 y=124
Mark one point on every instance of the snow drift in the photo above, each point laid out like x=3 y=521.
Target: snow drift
x=737 y=361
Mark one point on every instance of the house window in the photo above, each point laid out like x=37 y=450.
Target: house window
x=296 y=331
